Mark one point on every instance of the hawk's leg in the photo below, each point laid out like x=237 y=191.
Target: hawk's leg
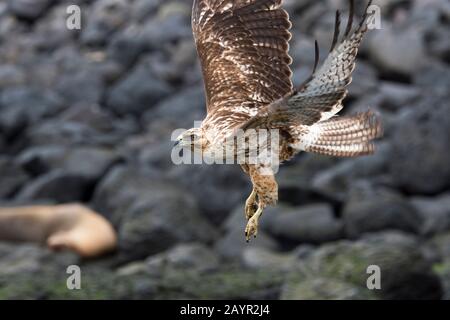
x=252 y=225
x=251 y=205
x=266 y=189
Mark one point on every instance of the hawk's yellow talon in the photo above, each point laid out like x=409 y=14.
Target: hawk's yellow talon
x=252 y=225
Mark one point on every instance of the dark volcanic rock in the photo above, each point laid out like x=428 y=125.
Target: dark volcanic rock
x=441 y=243
x=434 y=211
x=185 y=256
x=57 y=185
x=339 y=271
x=86 y=125
x=151 y=213
x=16 y=259
x=395 y=96
x=29 y=9
x=369 y=210
x=364 y=80
x=106 y=17
x=420 y=157
x=84 y=86
x=336 y=181
x=397 y=50
x=232 y=245
x=21 y=106
x=218 y=188
x=2 y=144
x=141 y=9
x=52 y=24
x=295 y=179
x=167 y=216
x=89 y=162
x=261 y=258
x=11 y=75
x=88 y=115
x=127 y=45
x=155 y=147
x=58 y=132
x=12 y=177
x=39 y=160
x=188 y=104
x=138 y=91
x=80 y=79
x=312 y=223
x=434 y=78
x=112 y=199
x=227 y=283
x=170 y=24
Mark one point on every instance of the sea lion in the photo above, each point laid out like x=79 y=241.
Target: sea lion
x=69 y=226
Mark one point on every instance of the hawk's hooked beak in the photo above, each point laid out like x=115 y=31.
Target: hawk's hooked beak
x=176 y=143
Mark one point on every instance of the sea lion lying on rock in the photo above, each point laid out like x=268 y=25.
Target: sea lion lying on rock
x=70 y=226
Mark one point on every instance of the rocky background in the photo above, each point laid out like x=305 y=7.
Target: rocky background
x=86 y=116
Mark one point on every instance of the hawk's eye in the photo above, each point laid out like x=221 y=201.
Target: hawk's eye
x=193 y=137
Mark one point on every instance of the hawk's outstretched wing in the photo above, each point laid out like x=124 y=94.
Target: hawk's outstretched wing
x=321 y=96
x=243 y=49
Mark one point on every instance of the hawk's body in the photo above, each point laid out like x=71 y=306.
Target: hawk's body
x=243 y=49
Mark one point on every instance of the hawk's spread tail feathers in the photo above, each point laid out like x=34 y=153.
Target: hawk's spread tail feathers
x=344 y=136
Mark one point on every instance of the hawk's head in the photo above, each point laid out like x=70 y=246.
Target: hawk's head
x=194 y=138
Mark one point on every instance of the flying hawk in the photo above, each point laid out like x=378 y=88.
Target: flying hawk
x=243 y=49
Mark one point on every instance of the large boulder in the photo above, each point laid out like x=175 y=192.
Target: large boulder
x=314 y=223
x=340 y=271
x=369 y=210
x=394 y=96
x=64 y=174
x=57 y=185
x=188 y=105
x=106 y=17
x=138 y=90
x=335 y=182
x=79 y=79
x=90 y=162
x=397 y=49
x=150 y=212
x=112 y=199
x=295 y=179
x=22 y=106
x=170 y=24
x=434 y=211
x=218 y=188
x=419 y=158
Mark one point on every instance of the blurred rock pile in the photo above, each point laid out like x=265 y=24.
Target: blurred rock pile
x=86 y=116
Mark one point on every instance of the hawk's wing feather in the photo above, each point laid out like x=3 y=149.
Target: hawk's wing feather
x=242 y=45
x=321 y=96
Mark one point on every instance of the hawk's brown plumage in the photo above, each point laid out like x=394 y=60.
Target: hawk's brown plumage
x=242 y=47
x=243 y=50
